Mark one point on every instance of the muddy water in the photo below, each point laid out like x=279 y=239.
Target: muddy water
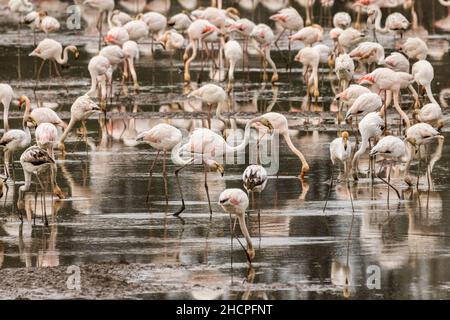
x=301 y=252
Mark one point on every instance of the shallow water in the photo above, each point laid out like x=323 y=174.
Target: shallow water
x=302 y=253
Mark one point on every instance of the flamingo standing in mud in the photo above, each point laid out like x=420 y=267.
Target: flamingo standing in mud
x=235 y=202
x=310 y=58
x=49 y=49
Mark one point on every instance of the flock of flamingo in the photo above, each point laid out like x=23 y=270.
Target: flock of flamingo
x=370 y=81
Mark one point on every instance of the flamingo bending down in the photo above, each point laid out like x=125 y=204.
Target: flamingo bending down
x=210 y=94
x=310 y=58
x=415 y=48
x=131 y=51
x=209 y=145
x=430 y=113
x=364 y=104
x=165 y=137
x=344 y=67
x=233 y=54
x=46 y=137
x=235 y=201
x=370 y=127
x=423 y=73
x=36 y=161
x=101 y=73
x=340 y=150
x=391 y=149
x=14 y=140
x=81 y=110
x=41 y=115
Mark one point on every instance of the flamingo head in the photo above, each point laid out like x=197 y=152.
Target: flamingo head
x=215 y=166
x=42 y=14
x=233 y=13
x=440 y=125
x=367 y=79
x=22 y=100
x=345 y=139
x=110 y=38
x=59 y=192
x=364 y=2
x=265 y=122
x=139 y=16
x=32 y=121
x=412 y=141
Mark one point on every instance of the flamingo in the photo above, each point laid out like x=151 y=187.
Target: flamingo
x=36 y=161
x=41 y=115
x=197 y=31
x=263 y=37
x=210 y=94
x=430 y=113
x=47 y=23
x=368 y=53
x=349 y=38
x=233 y=54
x=103 y=6
x=117 y=35
x=167 y=138
x=209 y=145
x=349 y=95
x=172 y=40
x=46 y=137
x=180 y=22
x=364 y=104
x=415 y=49
x=49 y=49
x=395 y=22
x=14 y=140
x=156 y=23
x=310 y=58
x=370 y=127
x=289 y=19
x=279 y=124
x=120 y=18
x=387 y=80
x=81 y=110
x=100 y=70
x=423 y=73
x=6 y=96
x=420 y=136
x=340 y=150
x=344 y=68
x=254 y=178
x=163 y=137
x=397 y=62
x=244 y=27
x=137 y=29
x=391 y=149
x=131 y=51
x=235 y=201
x=342 y=20
x=115 y=56
x=308 y=35
x=308 y=5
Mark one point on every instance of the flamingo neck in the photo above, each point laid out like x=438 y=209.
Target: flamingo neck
x=65 y=57
x=244 y=143
x=67 y=130
x=175 y=155
x=378 y=21
x=291 y=146
x=244 y=230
